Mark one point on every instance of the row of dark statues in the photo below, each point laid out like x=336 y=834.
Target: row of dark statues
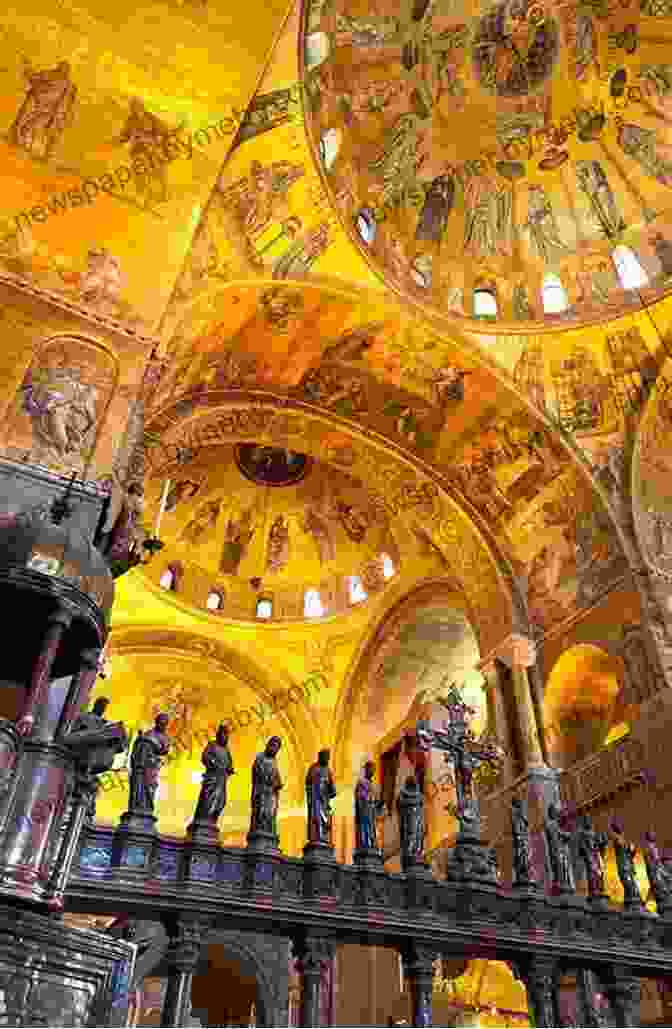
x=152 y=747
x=565 y=847
x=585 y=846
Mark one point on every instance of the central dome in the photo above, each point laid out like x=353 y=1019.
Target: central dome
x=509 y=161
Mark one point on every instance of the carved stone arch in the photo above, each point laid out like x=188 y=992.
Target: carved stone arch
x=265 y=958
x=298 y=720
x=431 y=593
x=407 y=487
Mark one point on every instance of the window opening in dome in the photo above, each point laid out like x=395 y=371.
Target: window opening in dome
x=167 y=580
x=356 y=591
x=553 y=295
x=330 y=144
x=312 y=604
x=388 y=566
x=628 y=268
x=214 y=601
x=366 y=225
x=485 y=304
x=264 y=607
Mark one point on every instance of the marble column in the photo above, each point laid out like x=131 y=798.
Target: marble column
x=80 y=688
x=624 y=992
x=314 y=954
x=587 y=999
x=520 y=654
x=185 y=937
x=540 y=978
x=59 y=621
x=498 y=720
x=419 y=971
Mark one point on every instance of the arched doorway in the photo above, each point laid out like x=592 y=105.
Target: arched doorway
x=224 y=990
x=241 y=979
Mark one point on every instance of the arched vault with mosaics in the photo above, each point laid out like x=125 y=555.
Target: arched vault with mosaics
x=349 y=325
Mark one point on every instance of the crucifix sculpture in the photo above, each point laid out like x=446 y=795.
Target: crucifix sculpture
x=464 y=752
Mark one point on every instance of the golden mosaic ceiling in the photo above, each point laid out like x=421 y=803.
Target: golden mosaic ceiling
x=520 y=147
x=250 y=521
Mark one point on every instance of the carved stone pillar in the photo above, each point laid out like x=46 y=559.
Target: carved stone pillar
x=419 y=970
x=314 y=954
x=185 y=938
x=520 y=654
x=587 y=998
x=540 y=978
x=498 y=720
x=624 y=992
x=35 y=702
x=80 y=688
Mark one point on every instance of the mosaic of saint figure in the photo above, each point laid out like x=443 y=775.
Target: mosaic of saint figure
x=585 y=45
x=321 y=529
x=436 y=208
x=488 y=227
x=46 y=110
x=299 y=258
x=102 y=281
x=604 y=213
x=542 y=227
x=146 y=135
x=656 y=85
x=237 y=538
x=201 y=526
x=277 y=551
x=63 y=413
x=398 y=163
x=516 y=47
x=643 y=146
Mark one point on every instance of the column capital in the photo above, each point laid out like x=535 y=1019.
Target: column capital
x=418 y=960
x=185 y=940
x=517 y=650
x=313 y=952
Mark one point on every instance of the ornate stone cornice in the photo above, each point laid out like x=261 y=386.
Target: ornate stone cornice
x=54 y=299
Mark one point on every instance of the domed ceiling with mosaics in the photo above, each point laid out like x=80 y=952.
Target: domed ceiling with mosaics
x=522 y=148
x=251 y=521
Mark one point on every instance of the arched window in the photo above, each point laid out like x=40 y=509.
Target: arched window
x=356 y=591
x=265 y=607
x=330 y=144
x=366 y=225
x=312 y=604
x=167 y=580
x=388 y=566
x=317 y=49
x=553 y=295
x=215 y=600
x=630 y=273
x=485 y=303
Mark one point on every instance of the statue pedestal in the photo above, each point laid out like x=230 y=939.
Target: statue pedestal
x=320 y=870
x=599 y=902
x=472 y=860
x=370 y=860
x=134 y=841
x=203 y=832
x=371 y=877
x=201 y=852
x=266 y=842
